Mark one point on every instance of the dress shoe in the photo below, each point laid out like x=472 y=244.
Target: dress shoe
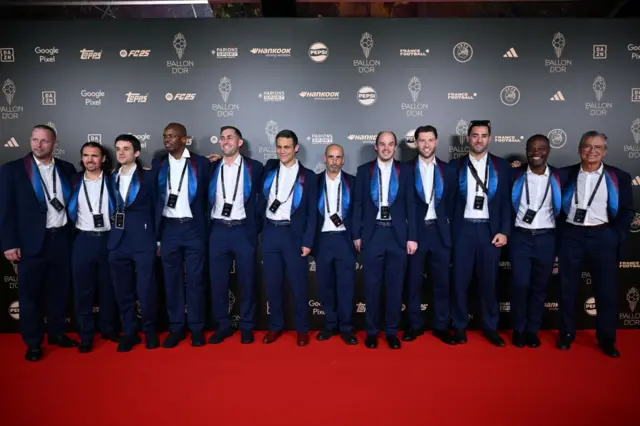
x=34 y=353
x=531 y=339
x=246 y=337
x=460 y=335
x=128 y=342
x=393 y=342
x=220 y=335
x=113 y=337
x=326 y=334
x=494 y=338
x=151 y=340
x=85 y=346
x=349 y=338
x=564 y=343
x=173 y=339
x=518 y=340
x=445 y=336
x=197 y=339
x=609 y=349
x=271 y=336
x=371 y=341
x=63 y=341
x=303 y=339
x=411 y=334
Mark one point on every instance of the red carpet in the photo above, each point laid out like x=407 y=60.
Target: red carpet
x=326 y=383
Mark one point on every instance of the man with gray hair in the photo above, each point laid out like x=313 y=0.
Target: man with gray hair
x=598 y=204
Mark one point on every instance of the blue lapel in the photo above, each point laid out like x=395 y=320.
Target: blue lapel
x=321 y=184
x=518 y=185
x=268 y=181
x=136 y=180
x=567 y=197
x=556 y=191
x=73 y=202
x=462 y=177
x=192 y=178
x=418 y=181
x=394 y=182
x=298 y=189
x=493 y=176
x=213 y=185
x=32 y=173
x=162 y=180
x=248 y=178
x=439 y=182
x=613 y=191
x=192 y=171
x=346 y=195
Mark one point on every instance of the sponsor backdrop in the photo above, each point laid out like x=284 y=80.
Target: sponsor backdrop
x=330 y=81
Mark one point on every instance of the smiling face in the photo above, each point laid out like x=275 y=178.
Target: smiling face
x=92 y=158
x=537 y=152
x=386 y=146
x=593 y=150
x=479 y=137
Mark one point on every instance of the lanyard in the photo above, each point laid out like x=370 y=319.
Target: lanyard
x=278 y=185
x=480 y=183
x=593 y=194
x=235 y=191
x=184 y=169
x=86 y=194
x=126 y=197
x=433 y=185
x=44 y=185
x=380 y=184
x=546 y=191
x=326 y=196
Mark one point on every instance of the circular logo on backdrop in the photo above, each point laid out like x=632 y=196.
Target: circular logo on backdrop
x=123 y=53
x=410 y=139
x=463 y=52
x=590 y=306
x=318 y=52
x=14 y=310
x=510 y=95
x=367 y=95
x=214 y=139
x=169 y=97
x=557 y=138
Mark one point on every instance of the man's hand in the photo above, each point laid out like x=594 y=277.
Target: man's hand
x=412 y=246
x=516 y=164
x=13 y=255
x=499 y=240
x=158 y=252
x=357 y=244
x=214 y=157
x=305 y=251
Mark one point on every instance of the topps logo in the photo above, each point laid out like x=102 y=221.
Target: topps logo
x=134 y=53
x=180 y=96
x=138 y=98
x=90 y=54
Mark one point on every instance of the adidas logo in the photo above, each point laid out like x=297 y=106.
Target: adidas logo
x=558 y=96
x=636 y=181
x=11 y=143
x=511 y=53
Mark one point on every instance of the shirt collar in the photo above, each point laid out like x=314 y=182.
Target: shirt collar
x=425 y=164
x=295 y=165
x=598 y=172
x=338 y=177
x=236 y=162
x=185 y=154
x=382 y=165
x=94 y=180
x=483 y=160
x=546 y=170
x=130 y=172
x=40 y=164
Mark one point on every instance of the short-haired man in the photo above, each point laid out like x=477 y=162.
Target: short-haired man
x=36 y=233
x=598 y=203
x=384 y=228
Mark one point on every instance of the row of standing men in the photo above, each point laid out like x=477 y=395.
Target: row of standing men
x=105 y=231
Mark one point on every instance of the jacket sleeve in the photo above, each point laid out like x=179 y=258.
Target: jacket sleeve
x=505 y=200
x=410 y=204
x=258 y=170
x=358 y=200
x=9 y=236
x=626 y=211
x=311 y=188
x=450 y=191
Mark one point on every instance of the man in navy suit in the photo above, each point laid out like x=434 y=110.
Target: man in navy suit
x=334 y=250
x=36 y=234
x=598 y=203
x=481 y=226
x=235 y=207
x=536 y=198
x=435 y=186
x=384 y=228
x=132 y=244
x=181 y=224
x=290 y=190
x=91 y=206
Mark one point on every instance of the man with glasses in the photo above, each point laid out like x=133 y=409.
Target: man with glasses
x=598 y=204
x=481 y=226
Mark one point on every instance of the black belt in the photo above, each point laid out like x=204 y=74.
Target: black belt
x=54 y=230
x=229 y=223
x=535 y=231
x=602 y=225
x=179 y=219
x=93 y=233
x=384 y=223
x=279 y=222
x=332 y=232
x=477 y=220
x=430 y=222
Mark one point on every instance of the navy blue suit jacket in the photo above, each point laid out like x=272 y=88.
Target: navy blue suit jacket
x=558 y=180
x=253 y=198
x=347 y=191
x=303 y=206
x=139 y=210
x=619 y=203
x=444 y=198
x=198 y=168
x=499 y=195
x=23 y=203
x=402 y=209
x=76 y=190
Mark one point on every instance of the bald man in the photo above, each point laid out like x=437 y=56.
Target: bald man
x=181 y=224
x=334 y=250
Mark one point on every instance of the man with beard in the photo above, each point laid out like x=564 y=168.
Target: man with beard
x=36 y=234
x=384 y=228
x=435 y=186
x=481 y=226
x=92 y=204
x=598 y=204
x=334 y=250
x=181 y=221
x=536 y=197
x=235 y=200
x=288 y=235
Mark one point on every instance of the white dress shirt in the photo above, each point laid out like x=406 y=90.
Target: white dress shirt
x=385 y=170
x=286 y=182
x=331 y=201
x=125 y=180
x=230 y=174
x=597 y=213
x=469 y=211
x=544 y=219
x=182 y=208
x=55 y=219
x=427 y=174
x=85 y=217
